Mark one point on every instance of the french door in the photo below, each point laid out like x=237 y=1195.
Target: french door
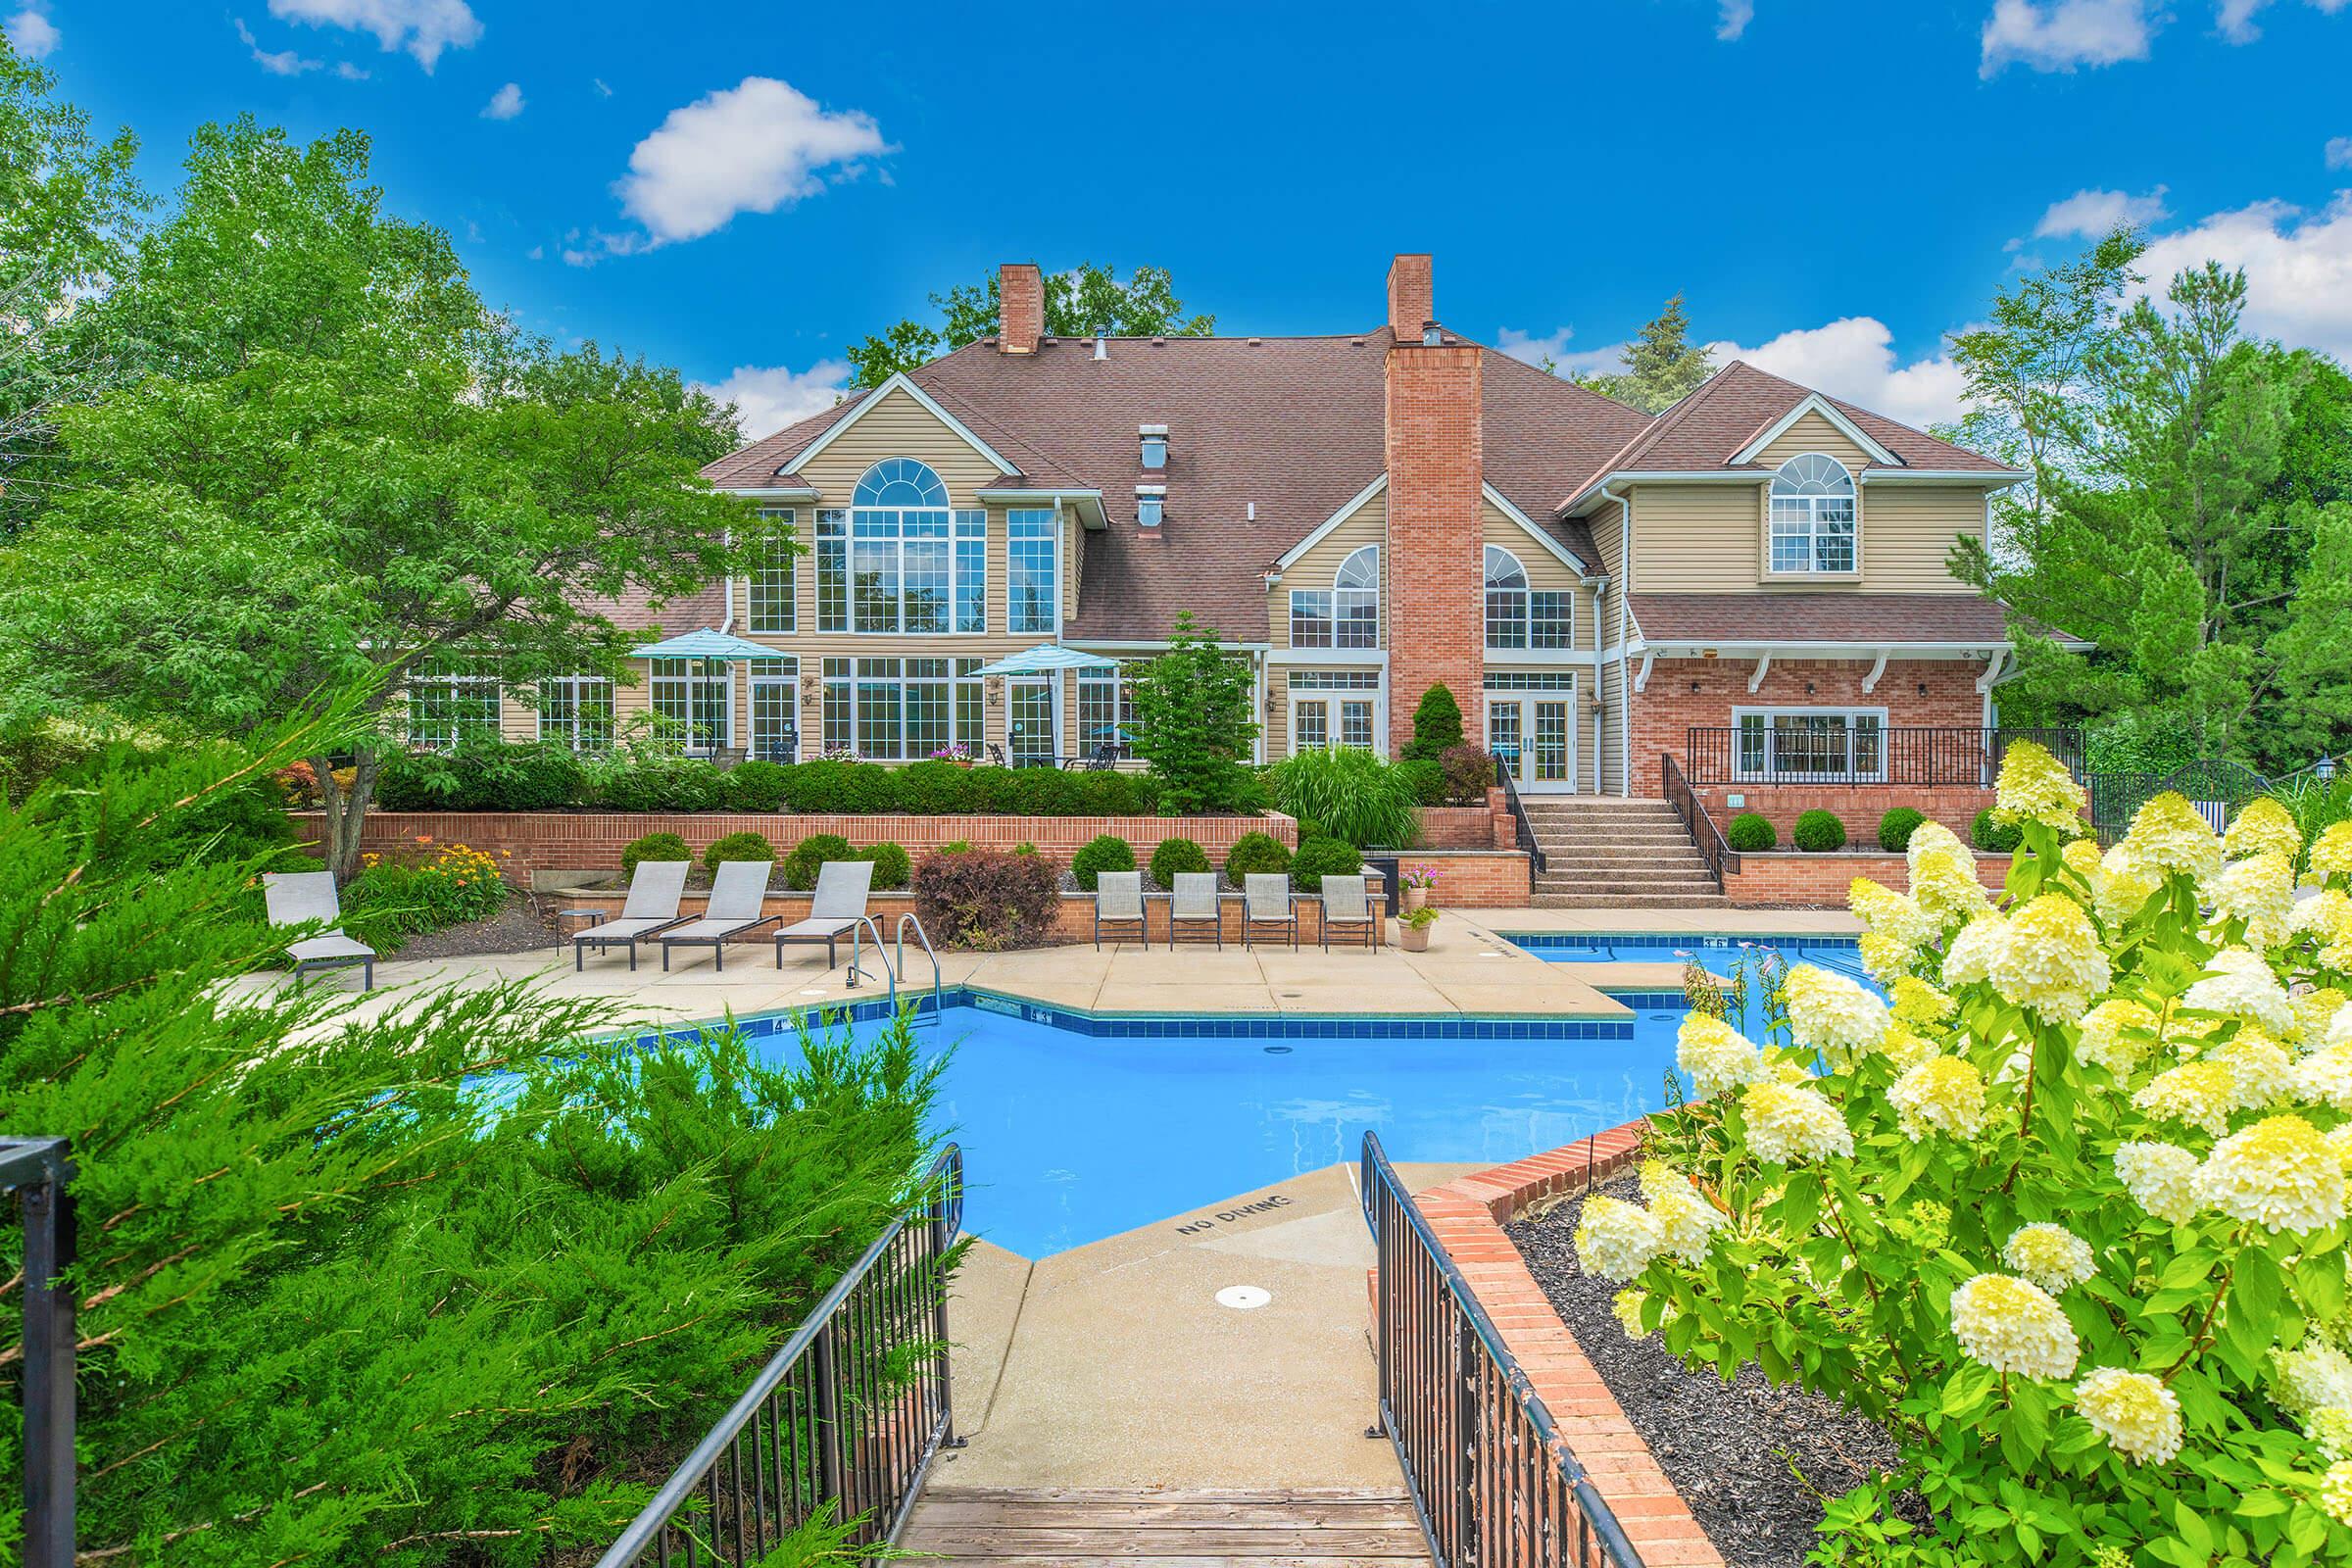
x=1534 y=737
x=775 y=709
x=1323 y=719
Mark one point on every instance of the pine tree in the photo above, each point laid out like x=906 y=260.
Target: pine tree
x=1437 y=725
x=1662 y=366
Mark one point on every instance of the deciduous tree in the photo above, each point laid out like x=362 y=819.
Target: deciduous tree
x=1086 y=301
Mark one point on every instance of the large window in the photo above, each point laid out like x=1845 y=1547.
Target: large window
x=775 y=709
x=900 y=709
x=1812 y=516
x=451 y=699
x=899 y=559
x=1822 y=744
x=1519 y=615
x=1105 y=709
x=576 y=710
x=1032 y=570
x=690 y=699
x=769 y=594
x=1347 y=615
x=1334 y=708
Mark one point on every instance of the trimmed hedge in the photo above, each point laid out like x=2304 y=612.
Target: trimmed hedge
x=893 y=867
x=808 y=857
x=986 y=900
x=1750 y=834
x=743 y=845
x=1318 y=859
x=1259 y=853
x=756 y=786
x=483 y=776
x=1174 y=857
x=1818 y=832
x=1897 y=827
x=1995 y=838
x=654 y=847
x=1106 y=852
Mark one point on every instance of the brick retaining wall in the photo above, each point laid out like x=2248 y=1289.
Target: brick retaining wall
x=1858 y=805
x=1789 y=879
x=1475 y=879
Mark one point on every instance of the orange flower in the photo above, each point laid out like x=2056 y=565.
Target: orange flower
x=424 y=838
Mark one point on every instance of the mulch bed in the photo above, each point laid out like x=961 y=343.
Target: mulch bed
x=1736 y=1450
x=519 y=927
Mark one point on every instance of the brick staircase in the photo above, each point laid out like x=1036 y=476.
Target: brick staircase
x=1601 y=852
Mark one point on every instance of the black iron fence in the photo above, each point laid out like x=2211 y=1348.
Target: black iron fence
x=843 y=1421
x=1712 y=849
x=2218 y=787
x=1491 y=1478
x=1833 y=748
x=1526 y=830
x=36 y=1170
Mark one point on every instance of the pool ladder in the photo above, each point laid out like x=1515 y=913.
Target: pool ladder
x=892 y=970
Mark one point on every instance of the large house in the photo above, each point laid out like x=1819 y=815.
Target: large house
x=1760 y=571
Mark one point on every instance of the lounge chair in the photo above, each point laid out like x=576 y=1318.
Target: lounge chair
x=651 y=908
x=1192 y=906
x=738 y=897
x=839 y=904
x=308 y=897
x=1348 y=911
x=1120 y=902
x=1266 y=904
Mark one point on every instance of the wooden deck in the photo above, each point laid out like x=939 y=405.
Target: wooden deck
x=1072 y=1527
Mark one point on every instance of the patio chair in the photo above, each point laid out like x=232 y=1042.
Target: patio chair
x=1266 y=904
x=1194 y=906
x=1103 y=759
x=651 y=908
x=1120 y=902
x=995 y=755
x=308 y=897
x=1347 y=912
x=738 y=898
x=842 y=887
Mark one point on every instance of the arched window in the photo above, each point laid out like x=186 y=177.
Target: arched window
x=1506 y=600
x=897 y=482
x=899 y=560
x=1812 y=516
x=1355 y=599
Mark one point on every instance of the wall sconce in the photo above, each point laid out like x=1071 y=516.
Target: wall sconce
x=1695 y=685
x=1808 y=688
x=812 y=689
x=995 y=687
x=1923 y=688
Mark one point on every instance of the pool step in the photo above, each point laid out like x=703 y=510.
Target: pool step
x=1603 y=853
x=1084 y=1526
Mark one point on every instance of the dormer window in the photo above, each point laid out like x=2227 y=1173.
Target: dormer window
x=1150 y=505
x=1812 y=527
x=1155 y=439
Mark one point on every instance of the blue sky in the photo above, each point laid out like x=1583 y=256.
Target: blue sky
x=743 y=189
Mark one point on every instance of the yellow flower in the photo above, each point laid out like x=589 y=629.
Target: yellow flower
x=1614 y=1239
x=2201 y=1093
x=2331 y=1429
x=2050 y=1256
x=1944 y=886
x=1626 y=1307
x=2336 y=1492
x=1942 y=1094
x=2314 y=1011
x=1789 y=1122
x=2277 y=1173
x=2051 y=962
x=2082 y=857
x=1832 y=1015
x=1714 y=1056
x=2339 y=1143
x=2259 y=1070
x=2036 y=786
x=1687 y=1222
x=1886 y=958
x=2162 y=1178
x=2264 y=827
x=1934 y=837
x=2239 y=983
x=2011 y=1326
x=2260 y=891
x=1972 y=953
x=1915 y=1002
x=2313 y=1376
x=2115 y=1035
x=2168 y=835
x=2137 y=1415
x=1905 y=1046
x=1881 y=908
x=2331 y=850
x=2123 y=886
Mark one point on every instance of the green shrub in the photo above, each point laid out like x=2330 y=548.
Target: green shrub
x=1174 y=856
x=654 y=847
x=1350 y=793
x=987 y=902
x=1469 y=774
x=1437 y=725
x=483 y=775
x=1817 y=832
x=937 y=788
x=1024 y=847
x=1105 y=852
x=1426 y=779
x=954 y=846
x=1195 y=715
x=756 y=786
x=1318 y=859
x=411 y=893
x=1750 y=834
x=1262 y=854
x=1996 y=838
x=841 y=788
x=1897 y=827
x=892 y=864
x=743 y=845
x=660 y=784
x=808 y=857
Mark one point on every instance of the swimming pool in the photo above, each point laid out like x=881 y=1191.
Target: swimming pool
x=1076 y=1128
x=1837 y=954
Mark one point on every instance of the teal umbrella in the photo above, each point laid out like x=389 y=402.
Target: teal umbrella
x=1046 y=658
x=710 y=648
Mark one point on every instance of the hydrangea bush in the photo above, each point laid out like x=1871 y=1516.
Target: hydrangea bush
x=2065 y=1214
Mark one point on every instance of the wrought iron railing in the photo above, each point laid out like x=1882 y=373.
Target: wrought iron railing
x=1528 y=842
x=1720 y=856
x=1491 y=1476
x=843 y=1420
x=36 y=1170
x=1839 y=753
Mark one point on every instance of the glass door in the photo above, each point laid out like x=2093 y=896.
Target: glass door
x=1533 y=738
x=1030 y=729
x=1503 y=735
x=775 y=709
x=1310 y=723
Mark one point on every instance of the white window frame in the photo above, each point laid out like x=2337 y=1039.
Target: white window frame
x=1523 y=594
x=785 y=672
x=843 y=687
x=841 y=532
x=578 y=688
x=660 y=684
x=1334 y=688
x=1771 y=770
x=782 y=561
x=1522 y=690
x=1810 y=516
x=455 y=679
x=1121 y=704
x=1050 y=537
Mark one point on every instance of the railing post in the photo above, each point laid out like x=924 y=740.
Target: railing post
x=941 y=1239
x=1466 y=1364
x=824 y=1387
x=48 y=1217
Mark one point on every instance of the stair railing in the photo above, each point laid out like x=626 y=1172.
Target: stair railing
x=1720 y=856
x=1519 y=819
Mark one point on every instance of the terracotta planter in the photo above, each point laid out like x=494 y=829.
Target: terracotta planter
x=1413 y=938
x=1412 y=898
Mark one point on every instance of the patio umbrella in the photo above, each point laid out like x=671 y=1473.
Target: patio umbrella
x=1044 y=660
x=710 y=647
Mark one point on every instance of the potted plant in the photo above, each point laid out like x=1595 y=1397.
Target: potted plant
x=1413 y=933
x=1417 y=885
x=959 y=755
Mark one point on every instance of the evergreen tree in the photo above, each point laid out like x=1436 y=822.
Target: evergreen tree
x=1662 y=366
x=1437 y=724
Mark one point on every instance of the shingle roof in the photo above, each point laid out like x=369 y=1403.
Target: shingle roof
x=1820 y=617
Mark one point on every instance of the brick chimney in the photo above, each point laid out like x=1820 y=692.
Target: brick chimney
x=1437 y=554
x=1410 y=302
x=1020 y=308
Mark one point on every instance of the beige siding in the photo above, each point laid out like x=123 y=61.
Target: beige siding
x=1608 y=533
x=1546 y=571
x=1612 y=738
x=1697 y=538
x=1907 y=535
x=1813 y=433
x=1368 y=524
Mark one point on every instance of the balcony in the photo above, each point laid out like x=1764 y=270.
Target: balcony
x=1858 y=750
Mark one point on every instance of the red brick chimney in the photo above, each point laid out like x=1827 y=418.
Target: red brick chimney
x=1020 y=308
x=1437 y=555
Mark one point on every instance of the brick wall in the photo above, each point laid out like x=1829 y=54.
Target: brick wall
x=1436 y=557
x=525 y=842
x=1020 y=307
x=1858 y=805
x=1475 y=879
x=1667 y=708
x=1786 y=879
x=1469 y=827
x=1467 y=1217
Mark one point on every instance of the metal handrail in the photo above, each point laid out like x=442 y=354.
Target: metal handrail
x=1490 y=1473
x=938 y=999
x=38 y=1170
x=1526 y=827
x=823 y=1424
x=1713 y=847
x=866 y=922
x=1907 y=754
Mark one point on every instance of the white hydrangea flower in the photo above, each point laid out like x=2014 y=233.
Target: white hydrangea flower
x=2261 y=1069
x=2240 y=983
x=1714 y=1056
x=2260 y=891
x=1614 y=1239
x=1832 y=1015
x=1934 y=837
x=1687 y=1222
x=2339 y=1143
x=1881 y=909
x=2331 y=1431
x=2050 y=1256
x=1972 y=953
x=2201 y=1093
x=2263 y=827
x=2137 y=1415
x=2313 y=1376
x=2162 y=1178
x=2115 y=1035
x=2331 y=850
x=1626 y=1307
x=1787 y=1122
x=2051 y=962
x=1906 y=1048
x=2324 y=1077
x=1945 y=888
x=2123 y=886
x=2279 y=1174
x=2012 y=1325
x=2168 y=834
x=2314 y=1011
x=1915 y=1002
x=2335 y=1488
x=2036 y=786
x=1942 y=1094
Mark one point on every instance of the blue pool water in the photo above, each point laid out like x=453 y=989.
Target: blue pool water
x=1718 y=954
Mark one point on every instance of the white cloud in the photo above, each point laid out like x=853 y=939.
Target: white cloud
x=504 y=104
x=2235 y=19
x=771 y=397
x=2093 y=214
x=751 y=148
x=602 y=91
x=1735 y=14
x=1553 y=346
x=349 y=71
x=1853 y=358
x=2064 y=33
x=423 y=28
x=2298 y=268
x=537 y=253
x=2340 y=152
x=30 y=30
x=280 y=63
